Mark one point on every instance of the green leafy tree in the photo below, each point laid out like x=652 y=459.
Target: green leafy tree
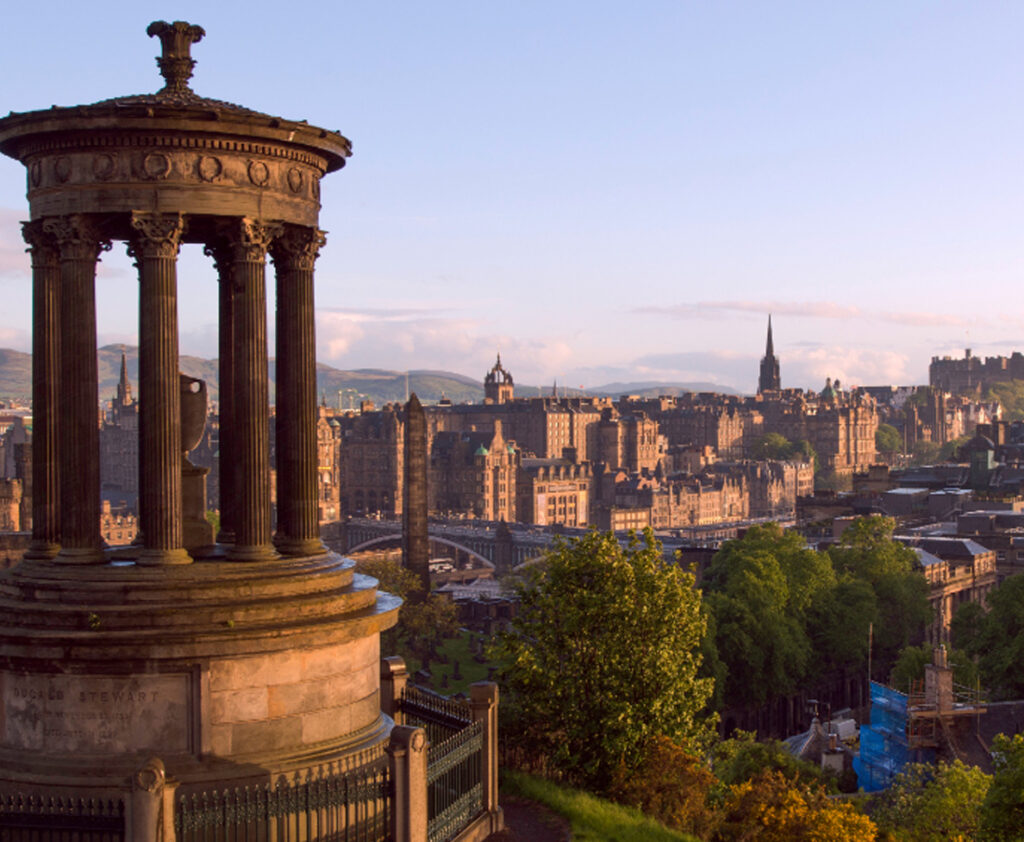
x=770 y=446
x=951 y=449
x=913 y=659
x=1002 y=813
x=867 y=552
x=1010 y=395
x=761 y=589
x=996 y=639
x=933 y=803
x=742 y=758
x=603 y=656
x=888 y=439
x=422 y=626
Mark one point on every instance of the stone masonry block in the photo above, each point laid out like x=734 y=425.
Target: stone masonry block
x=239 y=705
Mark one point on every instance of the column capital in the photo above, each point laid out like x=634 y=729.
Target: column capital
x=42 y=245
x=297 y=247
x=156 y=234
x=248 y=239
x=79 y=236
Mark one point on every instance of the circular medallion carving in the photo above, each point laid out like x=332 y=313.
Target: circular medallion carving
x=259 y=173
x=209 y=167
x=418 y=741
x=62 y=168
x=295 y=179
x=156 y=165
x=35 y=173
x=103 y=166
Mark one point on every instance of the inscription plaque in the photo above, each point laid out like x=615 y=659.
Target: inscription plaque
x=57 y=714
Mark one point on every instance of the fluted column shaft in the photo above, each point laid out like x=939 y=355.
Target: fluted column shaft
x=298 y=522
x=154 y=244
x=251 y=448
x=222 y=253
x=80 y=240
x=45 y=391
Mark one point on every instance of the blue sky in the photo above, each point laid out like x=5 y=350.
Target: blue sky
x=602 y=191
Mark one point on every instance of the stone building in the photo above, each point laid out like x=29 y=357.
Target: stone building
x=971 y=375
x=554 y=491
x=370 y=461
x=473 y=474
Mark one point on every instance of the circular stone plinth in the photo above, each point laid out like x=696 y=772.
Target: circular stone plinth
x=213 y=666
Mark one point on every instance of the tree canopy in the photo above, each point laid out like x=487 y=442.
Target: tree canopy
x=603 y=656
x=867 y=552
x=777 y=446
x=888 y=439
x=996 y=638
x=933 y=802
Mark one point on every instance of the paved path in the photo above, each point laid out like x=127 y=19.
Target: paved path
x=528 y=821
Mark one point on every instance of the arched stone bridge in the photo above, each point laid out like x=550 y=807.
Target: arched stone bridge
x=500 y=545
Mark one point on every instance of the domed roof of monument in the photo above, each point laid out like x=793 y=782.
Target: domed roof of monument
x=176 y=103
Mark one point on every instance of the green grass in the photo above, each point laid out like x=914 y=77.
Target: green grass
x=454 y=649
x=592 y=819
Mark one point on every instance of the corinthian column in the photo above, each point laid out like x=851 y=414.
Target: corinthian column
x=45 y=391
x=80 y=241
x=222 y=253
x=154 y=244
x=249 y=241
x=298 y=522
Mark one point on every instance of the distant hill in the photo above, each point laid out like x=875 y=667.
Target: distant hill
x=335 y=386
x=654 y=389
x=15 y=374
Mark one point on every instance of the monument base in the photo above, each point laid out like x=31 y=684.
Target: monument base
x=231 y=673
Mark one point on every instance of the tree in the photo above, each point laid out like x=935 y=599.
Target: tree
x=1010 y=395
x=913 y=659
x=421 y=625
x=603 y=656
x=761 y=589
x=671 y=784
x=742 y=758
x=770 y=446
x=888 y=439
x=773 y=808
x=996 y=639
x=1002 y=813
x=933 y=803
x=867 y=552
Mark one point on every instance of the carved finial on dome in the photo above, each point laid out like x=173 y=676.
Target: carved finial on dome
x=176 y=63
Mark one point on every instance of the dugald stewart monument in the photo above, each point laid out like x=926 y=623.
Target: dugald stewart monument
x=186 y=660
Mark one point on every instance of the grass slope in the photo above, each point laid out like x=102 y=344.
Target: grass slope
x=592 y=819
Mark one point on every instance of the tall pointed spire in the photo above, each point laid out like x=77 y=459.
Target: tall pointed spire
x=769 y=381
x=124 y=388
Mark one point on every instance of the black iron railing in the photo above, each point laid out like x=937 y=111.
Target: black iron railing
x=350 y=806
x=35 y=818
x=454 y=786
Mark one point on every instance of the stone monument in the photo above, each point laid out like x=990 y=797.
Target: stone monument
x=258 y=656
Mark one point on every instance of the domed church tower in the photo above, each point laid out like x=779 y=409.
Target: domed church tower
x=498 y=386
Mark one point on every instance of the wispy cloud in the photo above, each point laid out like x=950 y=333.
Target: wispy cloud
x=807 y=309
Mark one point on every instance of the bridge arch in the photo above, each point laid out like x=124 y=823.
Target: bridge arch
x=381 y=540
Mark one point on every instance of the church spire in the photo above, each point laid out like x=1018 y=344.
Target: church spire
x=124 y=389
x=769 y=381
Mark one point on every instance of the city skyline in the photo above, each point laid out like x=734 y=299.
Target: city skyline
x=605 y=194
